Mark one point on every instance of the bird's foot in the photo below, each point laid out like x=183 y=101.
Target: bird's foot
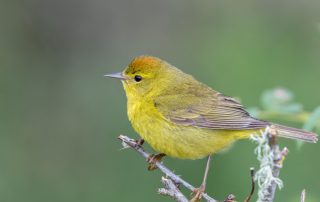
x=153 y=159
x=139 y=142
x=197 y=194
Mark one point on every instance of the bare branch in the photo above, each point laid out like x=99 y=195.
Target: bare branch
x=269 y=155
x=128 y=142
x=278 y=157
x=171 y=190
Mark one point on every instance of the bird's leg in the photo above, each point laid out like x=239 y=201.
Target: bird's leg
x=197 y=193
x=153 y=159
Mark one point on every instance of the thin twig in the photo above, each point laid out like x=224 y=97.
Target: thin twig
x=128 y=142
x=171 y=190
x=303 y=196
x=252 y=185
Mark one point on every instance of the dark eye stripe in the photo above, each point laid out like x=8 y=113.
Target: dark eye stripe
x=137 y=78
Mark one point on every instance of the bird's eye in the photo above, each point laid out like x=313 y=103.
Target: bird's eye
x=137 y=78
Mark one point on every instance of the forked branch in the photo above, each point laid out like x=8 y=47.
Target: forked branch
x=172 y=192
x=269 y=155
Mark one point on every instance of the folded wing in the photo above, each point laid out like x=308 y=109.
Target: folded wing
x=211 y=110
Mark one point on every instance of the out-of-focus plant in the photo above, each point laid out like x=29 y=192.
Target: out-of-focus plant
x=279 y=104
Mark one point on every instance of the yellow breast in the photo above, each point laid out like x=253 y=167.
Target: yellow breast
x=174 y=140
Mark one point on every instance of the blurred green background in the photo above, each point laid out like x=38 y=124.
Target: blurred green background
x=59 y=117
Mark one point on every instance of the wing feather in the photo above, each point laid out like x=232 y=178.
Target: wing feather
x=212 y=110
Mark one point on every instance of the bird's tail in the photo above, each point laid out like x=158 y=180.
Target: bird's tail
x=294 y=133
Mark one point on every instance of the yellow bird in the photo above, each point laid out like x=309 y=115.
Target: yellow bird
x=184 y=118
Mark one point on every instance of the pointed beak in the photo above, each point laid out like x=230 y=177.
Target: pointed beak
x=116 y=76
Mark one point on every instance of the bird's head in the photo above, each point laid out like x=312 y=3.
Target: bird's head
x=145 y=76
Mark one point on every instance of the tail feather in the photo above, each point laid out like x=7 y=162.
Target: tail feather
x=294 y=133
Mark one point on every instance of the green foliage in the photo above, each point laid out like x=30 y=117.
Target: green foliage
x=280 y=100
x=279 y=103
x=313 y=120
